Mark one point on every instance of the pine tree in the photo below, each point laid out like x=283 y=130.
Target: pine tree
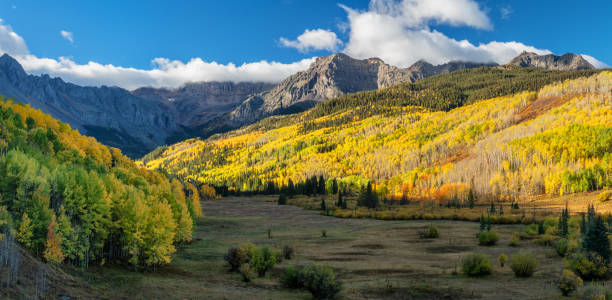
x=471 y=198
x=564 y=222
x=583 y=224
x=501 y=209
x=290 y=189
x=321 y=185
x=282 y=199
x=482 y=222
x=492 y=209
x=53 y=251
x=25 y=231
x=344 y=204
x=334 y=186
x=339 y=203
x=489 y=222
x=323 y=204
x=596 y=239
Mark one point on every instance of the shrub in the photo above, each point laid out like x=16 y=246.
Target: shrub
x=604 y=196
x=568 y=282
x=503 y=258
x=487 y=238
x=545 y=240
x=530 y=231
x=288 y=252
x=515 y=240
x=561 y=246
x=282 y=199
x=432 y=232
x=523 y=264
x=320 y=281
x=476 y=265
x=238 y=255
x=323 y=233
x=246 y=271
x=292 y=278
x=263 y=260
x=596 y=292
x=587 y=266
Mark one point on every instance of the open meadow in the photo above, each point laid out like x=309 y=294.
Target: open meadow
x=374 y=259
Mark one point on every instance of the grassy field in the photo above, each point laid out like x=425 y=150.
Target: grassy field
x=373 y=258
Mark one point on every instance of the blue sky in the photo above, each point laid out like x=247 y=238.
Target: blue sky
x=129 y=35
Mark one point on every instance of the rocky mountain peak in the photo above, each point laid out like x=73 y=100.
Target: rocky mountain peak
x=568 y=61
x=11 y=67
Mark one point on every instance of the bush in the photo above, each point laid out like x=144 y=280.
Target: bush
x=523 y=264
x=263 y=260
x=476 y=265
x=238 y=255
x=487 y=238
x=503 y=258
x=320 y=281
x=596 y=292
x=323 y=233
x=545 y=240
x=282 y=199
x=604 y=196
x=587 y=266
x=561 y=246
x=515 y=240
x=432 y=232
x=292 y=278
x=288 y=252
x=247 y=272
x=530 y=231
x=568 y=282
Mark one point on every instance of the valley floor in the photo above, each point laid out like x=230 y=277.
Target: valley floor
x=374 y=259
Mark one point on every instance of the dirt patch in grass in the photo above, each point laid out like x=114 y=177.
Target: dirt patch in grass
x=352 y=253
x=370 y=246
x=382 y=272
x=449 y=248
x=418 y=292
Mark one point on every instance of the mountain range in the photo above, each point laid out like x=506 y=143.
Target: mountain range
x=138 y=121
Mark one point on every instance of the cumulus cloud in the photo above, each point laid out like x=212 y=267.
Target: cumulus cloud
x=67 y=35
x=317 y=39
x=398 y=33
x=595 y=62
x=11 y=42
x=163 y=73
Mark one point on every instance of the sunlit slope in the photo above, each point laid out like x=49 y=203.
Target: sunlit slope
x=67 y=198
x=554 y=141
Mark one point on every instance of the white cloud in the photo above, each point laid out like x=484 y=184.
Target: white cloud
x=67 y=35
x=11 y=42
x=505 y=12
x=164 y=72
x=417 y=13
x=317 y=39
x=398 y=33
x=595 y=62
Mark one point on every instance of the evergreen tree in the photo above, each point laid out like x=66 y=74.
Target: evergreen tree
x=563 y=228
x=323 y=204
x=501 y=209
x=321 y=187
x=344 y=204
x=339 y=203
x=596 y=239
x=488 y=222
x=482 y=222
x=290 y=188
x=583 y=224
x=540 y=227
x=282 y=199
x=334 y=187
x=471 y=199
x=492 y=209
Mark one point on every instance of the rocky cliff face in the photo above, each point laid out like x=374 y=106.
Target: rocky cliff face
x=330 y=77
x=196 y=103
x=112 y=115
x=568 y=61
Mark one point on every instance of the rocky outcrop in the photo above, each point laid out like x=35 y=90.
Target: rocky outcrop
x=568 y=61
x=112 y=115
x=196 y=103
x=330 y=77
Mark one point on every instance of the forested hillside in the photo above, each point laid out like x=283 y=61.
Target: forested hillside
x=67 y=198
x=552 y=139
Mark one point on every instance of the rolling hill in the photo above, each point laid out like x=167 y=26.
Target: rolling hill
x=503 y=133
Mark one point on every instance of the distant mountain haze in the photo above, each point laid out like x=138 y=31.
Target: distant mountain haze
x=138 y=121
